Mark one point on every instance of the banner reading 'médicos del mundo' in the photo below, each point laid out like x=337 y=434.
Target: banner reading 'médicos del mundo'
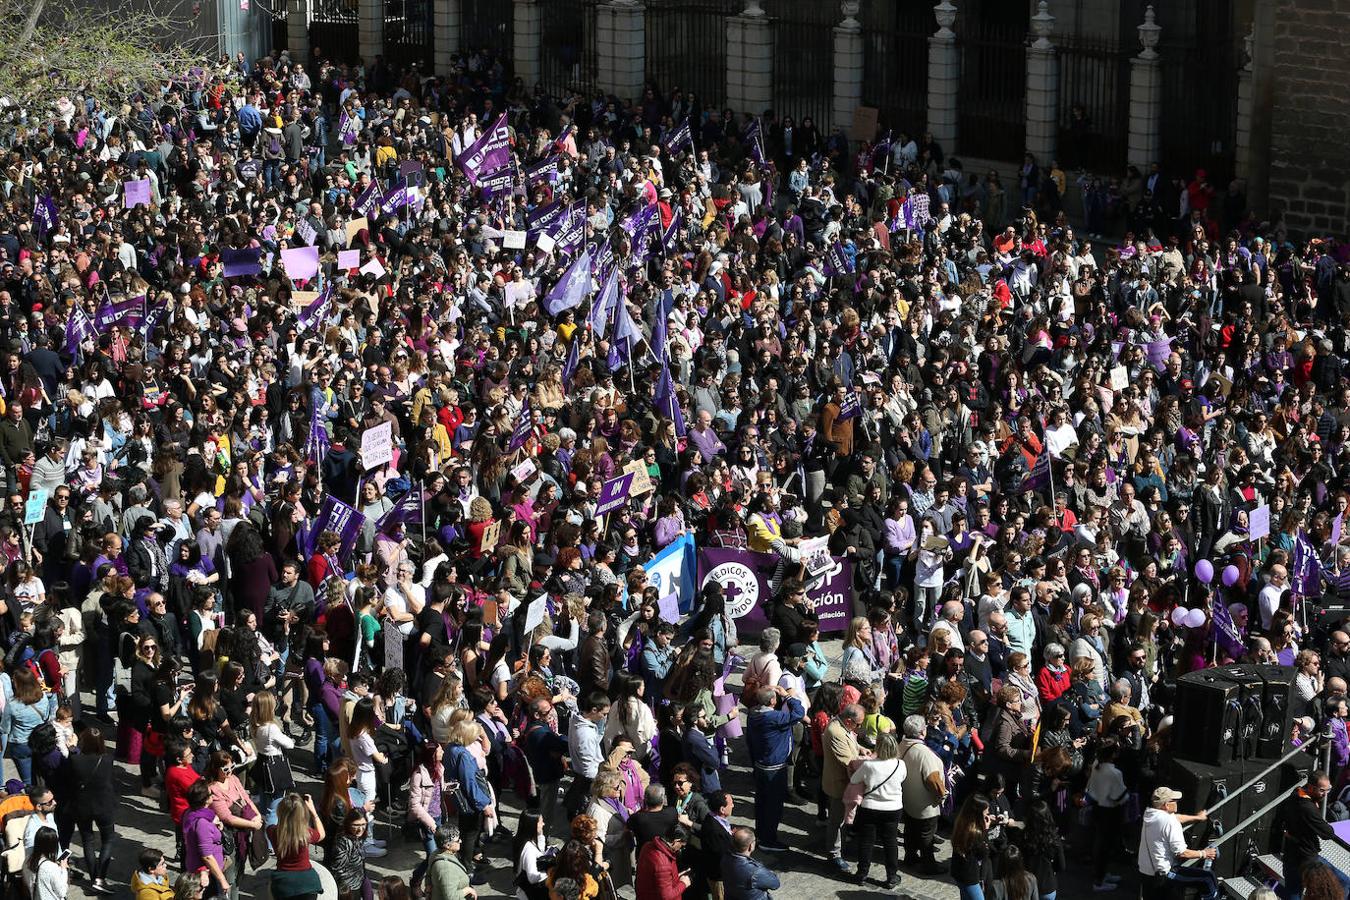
x=744 y=577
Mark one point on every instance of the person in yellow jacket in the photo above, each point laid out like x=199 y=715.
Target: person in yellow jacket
x=151 y=880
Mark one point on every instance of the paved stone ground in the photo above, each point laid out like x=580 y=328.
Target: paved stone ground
x=140 y=823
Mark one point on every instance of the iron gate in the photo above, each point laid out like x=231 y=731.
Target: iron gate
x=1199 y=88
x=408 y=32
x=489 y=25
x=1094 y=105
x=803 y=60
x=895 y=63
x=278 y=12
x=568 y=46
x=686 y=45
x=991 y=103
x=333 y=31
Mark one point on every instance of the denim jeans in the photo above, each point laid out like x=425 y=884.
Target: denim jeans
x=23 y=760
x=325 y=736
x=970 y=891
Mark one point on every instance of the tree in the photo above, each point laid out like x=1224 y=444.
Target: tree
x=58 y=51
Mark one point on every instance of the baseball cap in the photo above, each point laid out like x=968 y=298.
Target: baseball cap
x=798 y=651
x=1164 y=795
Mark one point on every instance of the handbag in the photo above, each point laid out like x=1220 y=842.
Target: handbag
x=274 y=774
x=258 y=848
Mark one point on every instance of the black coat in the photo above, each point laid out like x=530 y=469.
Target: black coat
x=89 y=781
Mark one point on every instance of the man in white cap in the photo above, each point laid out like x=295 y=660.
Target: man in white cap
x=1162 y=847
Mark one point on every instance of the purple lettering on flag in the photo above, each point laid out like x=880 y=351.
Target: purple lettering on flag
x=745 y=578
x=499 y=183
x=487 y=154
x=613 y=493
x=543 y=218
x=524 y=426
x=44 y=215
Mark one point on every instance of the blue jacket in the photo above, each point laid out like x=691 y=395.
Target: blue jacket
x=699 y=750
x=769 y=732
x=462 y=767
x=745 y=878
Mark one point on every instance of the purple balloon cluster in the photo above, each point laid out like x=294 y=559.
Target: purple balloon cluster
x=1204 y=573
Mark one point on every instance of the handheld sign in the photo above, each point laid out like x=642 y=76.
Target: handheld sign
x=36 y=506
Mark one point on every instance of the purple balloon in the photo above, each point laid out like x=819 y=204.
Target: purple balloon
x=1204 y=570
x=1231 y=574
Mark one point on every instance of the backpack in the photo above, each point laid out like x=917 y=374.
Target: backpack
x=43 y=739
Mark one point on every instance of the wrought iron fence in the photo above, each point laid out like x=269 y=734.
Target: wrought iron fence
x=686 y=45
x=408 y=31
x=895 y=62
x=333 y=31
x=803 y=60
x=568 y=46
x=278 y=12
x=992 y=121
x=489 y=25
x=1094 y=104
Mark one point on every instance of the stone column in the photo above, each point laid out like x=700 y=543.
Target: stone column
x=750 y=60
x=848 y=65
x=1246 y=101
x=944 y=77
x=297 y=30
x=445 y=20
x=1146 y=97
x=529 y=26
x=621 y=48
x=370 y=30
x=1042 y=88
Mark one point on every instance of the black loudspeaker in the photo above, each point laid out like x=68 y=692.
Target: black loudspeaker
x=1201 y=787
x=1278 y=711
x=1251 y=699
x=1206 y=717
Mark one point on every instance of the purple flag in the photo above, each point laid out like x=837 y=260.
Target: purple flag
x=1157 y=352
x=407 y=511
x=603 y=303
x=154 y=314
x=394 y=201
x=544 y=170
x=679 y=136
x=837 y=261
x=128 y=313
x=487 y=154
x=368 y=201
x=348 y=128
x=316 y=443
x=570 y=364
x=1225 y=630
x=850 y=408
x=79 y=327
x=543 y=218
x=613 y=494
x=1038 y=479
x=667 y=403
x=626 y=335
x=523 y=428
x=316 y=314
x=44 y=216
x=337 y=517
x=672 y=234
x=571 y=287
x=754 y=136
x=570 y=232
x=1306 y=578
x=499 y=183
x=240 y=263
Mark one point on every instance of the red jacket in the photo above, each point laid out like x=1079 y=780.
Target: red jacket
x=658 y=873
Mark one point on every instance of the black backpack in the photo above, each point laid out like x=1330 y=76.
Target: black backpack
x=43 y=739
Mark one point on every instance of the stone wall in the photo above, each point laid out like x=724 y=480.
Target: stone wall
x=1310 y=117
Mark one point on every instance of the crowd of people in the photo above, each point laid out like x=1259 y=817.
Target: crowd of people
x=356 y=519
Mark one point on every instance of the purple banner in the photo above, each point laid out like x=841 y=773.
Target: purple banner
x=850 y=408
x=544 y=170
x=239 y=263
x=679 y=137
x=523 y=428
x=368 y=201
x=543 y=218
x=613 y=494
x=339 y=518
x=407 y=511
x=744 y=577
x=348 y=127
x=499 y=183
x=128 y=313
x=44 y=215
x=487 y=154
x=837 y=261
x=78 y=328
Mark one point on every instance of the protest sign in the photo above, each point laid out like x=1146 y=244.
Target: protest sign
x=491 y=534
x=349 y=259
x=513 y=240
x=744 y=577
x=524 y=470
x=136 y=192
x=642 y=481
x=816 y=554
x=864 y=124
x=355 y=227
x=239 y=263
x=535 y=612
x=304 y=229
x=518 y=293
x=1258 y=523
x=35 y=508
x=302 y=263
x=377 y=445
x=375 y=268
x=1120 y=378
x=613 y=494
x=545 y=243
